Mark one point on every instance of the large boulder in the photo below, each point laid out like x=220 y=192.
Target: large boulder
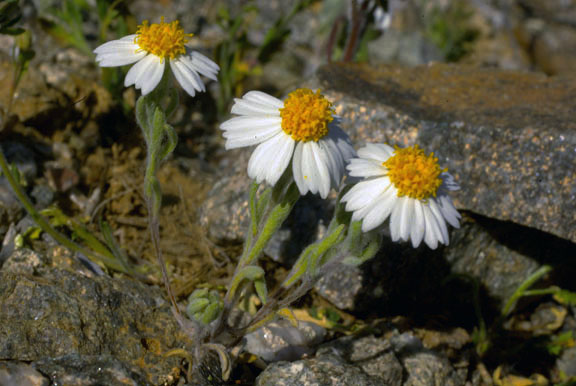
x=74 y=324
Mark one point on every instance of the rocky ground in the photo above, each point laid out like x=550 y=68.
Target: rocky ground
x=500 y=117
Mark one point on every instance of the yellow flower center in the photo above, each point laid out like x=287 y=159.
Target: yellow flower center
x=305 y=115
x=413 y=173
x=165 y=40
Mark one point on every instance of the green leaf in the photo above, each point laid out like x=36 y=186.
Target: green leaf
x=199 y=293
x=561 y=342
x=170 y=143
x=369 y=252
x=250 y=273
x=565 y=297
x=197 y=305
x=261 y=290
x=300 y=267
x=322 y=247
x=211 y=313
x=332 y=315
x=112 y=245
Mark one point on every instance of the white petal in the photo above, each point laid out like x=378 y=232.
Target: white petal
x=396 y=218
x=360 y=167
x=200 y=64
x=439 y=220
x=333 y=160
x=431 y=233
x=316 y=176
x=297 y=169
x=127 y=42
x=380 y=211
x=151 y=75
x=263 y=98
x=204 y=65
x=249 y=137
x=138 y=69
x=187 y=77
x=376 y=151
x=250 y=107
x=448 y=211
x=363 y=193
x=281 y=159
x=342 y=141
x=307 y=169
x=118 y=53
x=406 y=215
x=241 y=123
x=338 y=150
x=269 y=154
x=120 y=58
x=418 y=225
x=448 y=182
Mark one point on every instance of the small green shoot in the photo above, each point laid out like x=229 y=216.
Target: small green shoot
x=561 y=342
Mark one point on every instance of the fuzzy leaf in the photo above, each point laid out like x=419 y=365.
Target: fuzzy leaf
x=197 y=305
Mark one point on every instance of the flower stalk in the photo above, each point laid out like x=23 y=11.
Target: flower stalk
x=161 y=139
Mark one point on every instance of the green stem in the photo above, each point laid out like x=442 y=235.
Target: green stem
x=253 y=212
x=543 y=291
x=152 y=119
x=274 y=221
x=45 y=225
x=523 y=287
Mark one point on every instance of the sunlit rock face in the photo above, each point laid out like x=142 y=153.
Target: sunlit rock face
x=508 y=137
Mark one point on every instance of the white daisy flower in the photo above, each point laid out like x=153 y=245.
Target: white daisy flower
x=150 y=48
x=302 y=128
x=406 y=185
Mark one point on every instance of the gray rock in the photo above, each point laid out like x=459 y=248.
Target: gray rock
x=426 y=369
x=398 y=360
x=82 y=370
x=22 y=157
x=63 y=319
x=478 y=251
x=375 y=356
x=43 y=196
x=559 y=11
x=21 y=374
x=280 y=341
x=554 y=48
x=342 y=286
x=23 y=262
x=422 y=366
x=327 y=370
x=8 y=244
x=10 y=208
x=567 y=362
x=508 y=137
x=405 y=40
x=409 y=48
x=406 y=344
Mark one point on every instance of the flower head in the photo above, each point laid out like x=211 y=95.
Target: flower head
x=150 y=48
x=301 y=129
x=406 y=185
